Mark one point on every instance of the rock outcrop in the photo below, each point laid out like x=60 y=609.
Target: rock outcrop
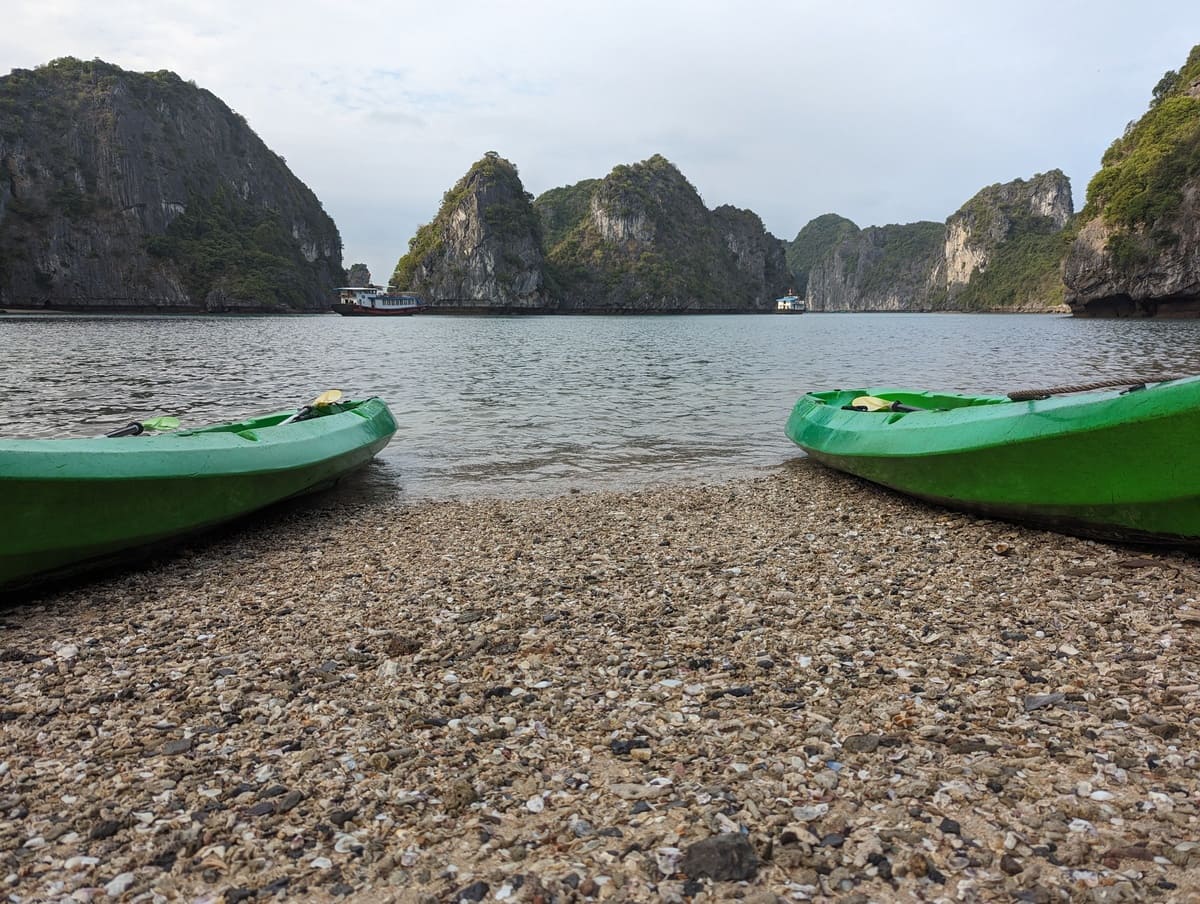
x=1137 y=253
x=358 y=275
x=139 y=191
x=1000 y=251
x=818 y=237
x=999 y=213
x=760 y=257
x=642 y=240
x=1005 y=247
x=882 y=268
x=483 y=250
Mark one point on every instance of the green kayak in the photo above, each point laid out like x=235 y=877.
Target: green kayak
x=69 y=504
x=1115 y=464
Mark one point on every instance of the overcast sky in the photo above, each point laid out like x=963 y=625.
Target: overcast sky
x=884 y=112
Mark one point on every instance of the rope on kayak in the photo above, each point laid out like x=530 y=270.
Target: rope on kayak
x=1025 y=395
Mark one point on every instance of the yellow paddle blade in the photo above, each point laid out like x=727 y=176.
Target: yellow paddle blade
x=328 y=397
x=871 y=403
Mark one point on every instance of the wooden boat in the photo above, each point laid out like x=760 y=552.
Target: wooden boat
x=69 y=504
x=372 y=301
x=1117 y=464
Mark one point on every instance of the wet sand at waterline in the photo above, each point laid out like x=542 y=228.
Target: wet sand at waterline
x=789 y=687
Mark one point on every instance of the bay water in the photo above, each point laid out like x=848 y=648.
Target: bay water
x=527 y=406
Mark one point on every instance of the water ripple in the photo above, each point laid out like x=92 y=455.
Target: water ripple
x=520 y=406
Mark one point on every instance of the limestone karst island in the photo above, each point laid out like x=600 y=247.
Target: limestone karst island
x=125 y=191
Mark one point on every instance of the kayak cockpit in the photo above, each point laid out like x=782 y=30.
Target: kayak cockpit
x=902 y=399
x=249 y=425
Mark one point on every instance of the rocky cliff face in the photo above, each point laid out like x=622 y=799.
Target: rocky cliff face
x=483 y=250
x=882 y=268
x=641 y=239
x=1000 y=251
x=818 y=237
x=1137 y=253
x=761 y=259
x=998 y=213
x=130 y=191
x=1116 y=273
x=358 y=275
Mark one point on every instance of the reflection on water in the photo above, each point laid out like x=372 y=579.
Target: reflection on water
x=531 y=405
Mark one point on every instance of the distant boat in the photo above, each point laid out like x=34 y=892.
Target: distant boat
x=789 y=304
x=373 y=301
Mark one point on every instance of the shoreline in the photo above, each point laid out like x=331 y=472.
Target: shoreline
x=568 y=698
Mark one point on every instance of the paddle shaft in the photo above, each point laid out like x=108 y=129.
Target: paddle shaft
x=134 y=429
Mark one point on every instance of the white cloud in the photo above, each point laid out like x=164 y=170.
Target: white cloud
x=880 y=111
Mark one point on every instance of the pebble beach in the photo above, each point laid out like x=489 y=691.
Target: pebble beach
x=785 y=688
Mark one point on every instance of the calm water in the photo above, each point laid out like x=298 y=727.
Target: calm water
x=532 y=405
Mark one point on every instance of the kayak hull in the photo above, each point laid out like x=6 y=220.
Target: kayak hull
x=1117 y=465
x=71 y=504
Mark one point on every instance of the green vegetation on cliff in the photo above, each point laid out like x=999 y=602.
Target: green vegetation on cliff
x=1142 y=175
x=1025 y=271
x=562 y=209
x=813 y=242
x=221 y=244
x=423 y=245
x=906 y=248
x=642 y=239
x=1024 y=264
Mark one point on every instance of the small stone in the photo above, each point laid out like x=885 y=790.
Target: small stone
x=626 y=747
x=119 y=885
x=1033 y=895
x=180 y=745
x=630 y=791
x=340 y=817
x=1041 y=701
x=810 y=812
x=476 y=891
x=460 y=795
x=726 y=858
x=1186 y=854
x=1010 y=865
x=826 y=779
x=289 y=801
x=762 y=897
x=861 y=743
x=582 y=828
x=106 y=828
x=950 y=826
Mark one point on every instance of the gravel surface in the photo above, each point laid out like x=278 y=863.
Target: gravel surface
x=787 y=688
